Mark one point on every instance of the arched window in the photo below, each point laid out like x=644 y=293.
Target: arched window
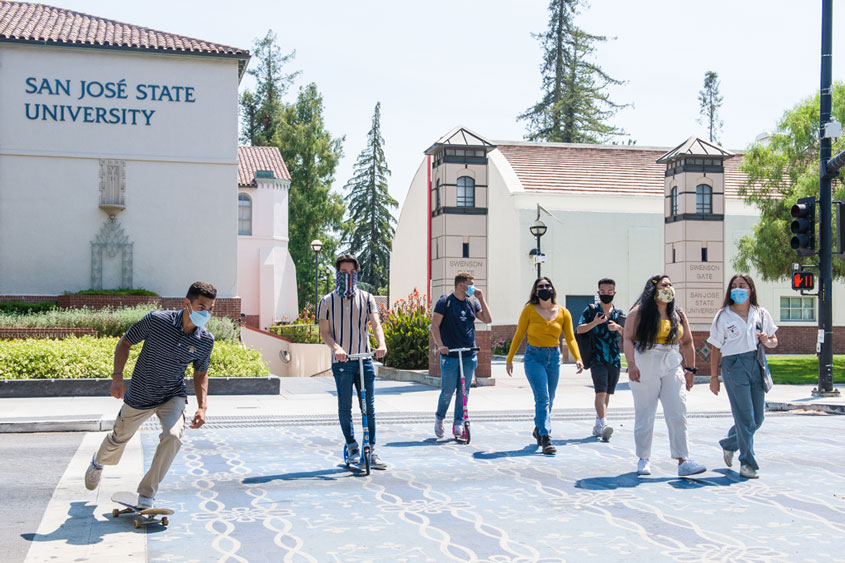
x=466 y=192
x=674 y=201
x=244 y=215
x=704 y=199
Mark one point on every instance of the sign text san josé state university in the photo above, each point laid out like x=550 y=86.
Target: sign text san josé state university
x=87 y=91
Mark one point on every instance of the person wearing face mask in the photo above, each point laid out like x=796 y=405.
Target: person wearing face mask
x=172 y=340
x=343 y=316
x=543 y=320
x=736 y=330
x=605 y=323
x=661 y=363
x=453 y=326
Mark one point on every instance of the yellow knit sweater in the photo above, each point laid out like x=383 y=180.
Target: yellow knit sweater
x=543 y=333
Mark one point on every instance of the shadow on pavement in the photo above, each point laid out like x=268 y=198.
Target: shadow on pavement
x=81 y=528
x=532 y=449
x=630 y=480
x=426 y=442
x=319 y=475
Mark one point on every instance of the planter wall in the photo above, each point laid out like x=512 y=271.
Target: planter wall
x=19 y=388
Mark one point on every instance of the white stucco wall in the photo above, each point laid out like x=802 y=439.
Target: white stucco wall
x=408 y=268
x=180 y=215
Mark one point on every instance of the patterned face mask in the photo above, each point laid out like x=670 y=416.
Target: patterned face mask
x=345 y=283
x=666 y=295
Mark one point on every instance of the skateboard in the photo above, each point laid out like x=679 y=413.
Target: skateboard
x=148 y=515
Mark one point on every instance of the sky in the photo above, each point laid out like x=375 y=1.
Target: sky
x=474 y=63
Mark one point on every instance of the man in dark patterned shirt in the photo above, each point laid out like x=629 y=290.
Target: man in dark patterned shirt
x=605 y=323
x=172 y=340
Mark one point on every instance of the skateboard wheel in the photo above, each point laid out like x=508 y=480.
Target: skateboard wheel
x=137 y=523
x=165 y=521
x=115 y=512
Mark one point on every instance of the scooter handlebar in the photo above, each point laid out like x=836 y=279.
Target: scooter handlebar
x=456 y=350
x=360 y=356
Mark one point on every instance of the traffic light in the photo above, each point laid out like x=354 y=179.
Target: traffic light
x=803 y=226
x=802 y=279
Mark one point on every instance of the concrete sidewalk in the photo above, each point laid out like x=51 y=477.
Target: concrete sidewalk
x=313 y=400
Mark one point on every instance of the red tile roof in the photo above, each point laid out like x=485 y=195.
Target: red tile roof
x=598 y=169
x=253 y=159
x=22 y=22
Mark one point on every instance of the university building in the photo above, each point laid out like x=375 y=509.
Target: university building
x=119 y=167
x=623 y=212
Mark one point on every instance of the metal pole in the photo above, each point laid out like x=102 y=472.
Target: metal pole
x=825 y=225
x=538 y=257
x=316 y=280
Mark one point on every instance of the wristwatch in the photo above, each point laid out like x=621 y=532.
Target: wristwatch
x=691 y=370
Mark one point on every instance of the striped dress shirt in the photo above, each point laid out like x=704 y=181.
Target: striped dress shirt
x=348 y=319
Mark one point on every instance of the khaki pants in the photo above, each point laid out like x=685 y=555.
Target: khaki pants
x=172 y=417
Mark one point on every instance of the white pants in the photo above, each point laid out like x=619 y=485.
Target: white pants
x=661 y=377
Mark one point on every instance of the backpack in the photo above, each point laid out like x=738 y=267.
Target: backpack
x=585 y=343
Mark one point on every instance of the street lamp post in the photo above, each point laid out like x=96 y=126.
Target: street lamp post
x=538 y=229
x=316 y=246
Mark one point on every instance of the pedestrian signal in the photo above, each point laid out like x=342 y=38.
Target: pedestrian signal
x=803 y=226
x=801 y=279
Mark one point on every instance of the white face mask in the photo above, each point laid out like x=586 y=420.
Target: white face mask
x=666 y=294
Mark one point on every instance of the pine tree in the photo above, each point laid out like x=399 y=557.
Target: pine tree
x=710 y=102
x=370 y=224
x=261 y=110
x=575 y=105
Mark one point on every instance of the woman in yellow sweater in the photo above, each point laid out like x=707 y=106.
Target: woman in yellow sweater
x=543 y=320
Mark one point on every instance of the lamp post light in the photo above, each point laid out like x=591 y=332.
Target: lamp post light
x=538 y=229
x=316 y=246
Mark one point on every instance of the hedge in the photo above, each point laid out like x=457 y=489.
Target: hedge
x=107 y=322
x=89 y=357
x=22 y=307
x=120 y=292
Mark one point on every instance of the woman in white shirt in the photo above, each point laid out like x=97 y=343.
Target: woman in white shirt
x=734 y=334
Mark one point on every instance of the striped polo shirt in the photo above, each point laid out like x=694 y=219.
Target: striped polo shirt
x=159 y=373
x=348 y=319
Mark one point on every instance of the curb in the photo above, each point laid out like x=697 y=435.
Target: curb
x=809 y=407
x=33 y=388
x=421 y=376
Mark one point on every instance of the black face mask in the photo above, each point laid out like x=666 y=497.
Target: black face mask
x=545 y=294
x=606 y=298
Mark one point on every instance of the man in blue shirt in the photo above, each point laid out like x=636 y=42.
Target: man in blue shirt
x=453 y=326
x=605 y=322
x=172 y=340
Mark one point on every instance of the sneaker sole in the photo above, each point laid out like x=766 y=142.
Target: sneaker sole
x=608 y=432
x=728 y=460
x=643 y=472
x=749 y=476
x=691 y=474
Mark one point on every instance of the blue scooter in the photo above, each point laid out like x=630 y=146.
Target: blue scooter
x=366 y=450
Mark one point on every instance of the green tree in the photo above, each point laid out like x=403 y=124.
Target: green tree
x=710 y=102
x=778 y=173
x=575 y=105
x=311 y=154
x=370 y=224
x=261 y=110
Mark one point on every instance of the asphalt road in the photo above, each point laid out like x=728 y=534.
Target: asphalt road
x=32 y=466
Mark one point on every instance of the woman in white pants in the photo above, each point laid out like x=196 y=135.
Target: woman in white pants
x=661 y=364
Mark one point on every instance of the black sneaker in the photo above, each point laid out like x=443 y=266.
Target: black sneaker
x=548 y=448
x=537 y=435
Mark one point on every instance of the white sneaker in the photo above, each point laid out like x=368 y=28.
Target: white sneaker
x=689 y=467
x=748 y=472
x=728 y=456
x=376 y=462
x=643 y=467
x=458 y=429
x=92 y=474
x=438 y=427
x=145 y=502
x=606 y=433
x=597 y=429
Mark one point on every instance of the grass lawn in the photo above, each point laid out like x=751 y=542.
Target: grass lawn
x=802 y=369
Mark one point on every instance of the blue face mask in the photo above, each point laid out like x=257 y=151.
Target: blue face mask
x=739 y=295
x=199 y=318
x=470 y=290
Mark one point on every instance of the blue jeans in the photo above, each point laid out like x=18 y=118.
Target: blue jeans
x=744 y=385
x=345 y=376
x=542 y=368
x=450 y=377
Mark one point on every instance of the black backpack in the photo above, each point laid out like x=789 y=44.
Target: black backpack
x=585 y=343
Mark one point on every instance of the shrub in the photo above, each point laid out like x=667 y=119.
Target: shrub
x=406 y=329
x=107 y=322
x=302 y=330
x=121 y=292
x=501 y=347
x=89 y=357
x=23 y=308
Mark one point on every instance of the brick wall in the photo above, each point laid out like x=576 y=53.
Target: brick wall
x=102 y=301
x=252 y=321
x=483 y=369
x=223 y=306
